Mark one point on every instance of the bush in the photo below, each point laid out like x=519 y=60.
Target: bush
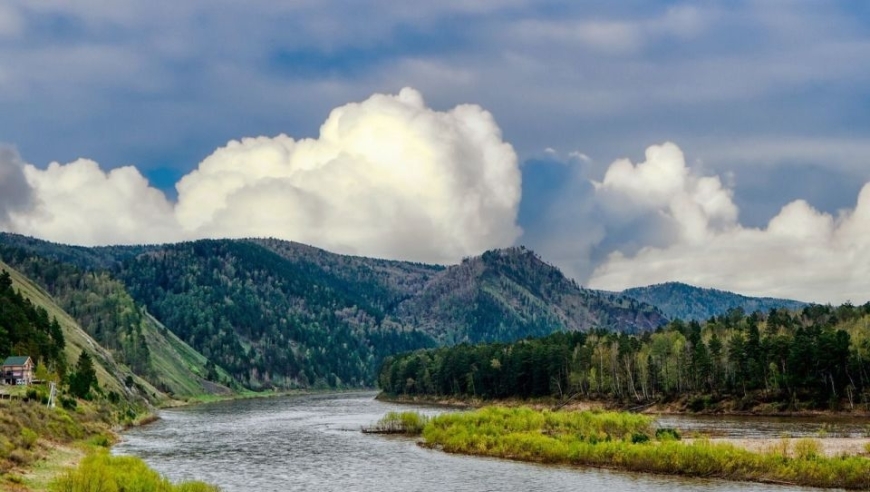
x=68 y=403
x=411 y=423
x=807 y=449
x=28 y=438
x=639 y=438
x=667 y=434
x=101 y=440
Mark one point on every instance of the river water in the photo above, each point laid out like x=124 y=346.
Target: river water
x=314 y=443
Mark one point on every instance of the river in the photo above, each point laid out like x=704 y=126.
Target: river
x=314 y=443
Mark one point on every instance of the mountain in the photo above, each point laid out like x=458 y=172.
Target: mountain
x=681 y=301
x=511 y=293
x=269 y=313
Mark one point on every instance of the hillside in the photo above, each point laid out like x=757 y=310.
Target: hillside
x=268 y=313
x=100 y=307
x=509 y=294
x=267 y=320
x=681 y=301
x=110 y=374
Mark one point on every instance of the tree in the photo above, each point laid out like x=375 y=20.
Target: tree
x=84 y=378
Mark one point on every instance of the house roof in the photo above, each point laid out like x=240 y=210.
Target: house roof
x=19 y=360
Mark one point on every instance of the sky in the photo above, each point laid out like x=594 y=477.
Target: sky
x=719 y=143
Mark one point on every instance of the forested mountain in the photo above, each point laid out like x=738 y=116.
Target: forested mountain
x=267 y=320
x=262 y=313
x=816 y=358
x=511 y=293
x=681 y=301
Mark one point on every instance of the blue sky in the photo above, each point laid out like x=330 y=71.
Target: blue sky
x=769 y=97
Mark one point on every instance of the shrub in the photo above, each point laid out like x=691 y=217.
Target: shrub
x=807 y=449
x=101 y=440
x=667 y=434
x=411 y=423
x=28 y=437
x=639 y=438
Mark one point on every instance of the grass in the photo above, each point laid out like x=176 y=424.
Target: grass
x=39 y=447
x=409 y=423
x=629 y=442
x=28 y=429
x=103 y=472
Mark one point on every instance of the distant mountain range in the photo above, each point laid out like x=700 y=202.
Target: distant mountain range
x=681 y=301
x=201 y=316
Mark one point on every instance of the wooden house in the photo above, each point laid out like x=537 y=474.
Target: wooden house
x=17 y=370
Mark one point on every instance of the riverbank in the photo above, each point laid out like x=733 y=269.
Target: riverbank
x=31 y=464
x=628 y=441
x=678 y=407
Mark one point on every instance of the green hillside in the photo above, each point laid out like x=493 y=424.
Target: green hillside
x=686 y=302
x=110 y=374
x=102 y=308
x=264 y=313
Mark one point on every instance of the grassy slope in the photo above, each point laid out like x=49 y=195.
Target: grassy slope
x=109 y=373
x=178 y=365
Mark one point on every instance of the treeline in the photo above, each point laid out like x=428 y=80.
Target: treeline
x=819 y=356
x=26 y=329
x=267 y=321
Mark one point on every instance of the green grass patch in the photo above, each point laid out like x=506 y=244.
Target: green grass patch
x=410 y=423
x=629 y=442
x=101 y=471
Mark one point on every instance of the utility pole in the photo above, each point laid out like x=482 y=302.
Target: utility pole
x=51 y=395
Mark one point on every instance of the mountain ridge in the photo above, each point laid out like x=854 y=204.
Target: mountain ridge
x=679 y=300
x=265 y=313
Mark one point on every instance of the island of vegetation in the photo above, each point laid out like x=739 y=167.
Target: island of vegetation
x=624 y=441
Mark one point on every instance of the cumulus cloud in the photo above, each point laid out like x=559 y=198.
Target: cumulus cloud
x=386 y=177
x=79 y=203
x=801 y=253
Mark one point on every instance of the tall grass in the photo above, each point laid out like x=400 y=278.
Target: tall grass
x=613 y=440
x=410 y=423
x=105 y=473
x=24 y=426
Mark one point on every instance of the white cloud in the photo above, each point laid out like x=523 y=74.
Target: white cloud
x=386 y=177
x=801 y=253
x=81 y=204
x=580 y=156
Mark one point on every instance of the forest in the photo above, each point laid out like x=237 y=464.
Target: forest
x=26 y=329
x=818 y=357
